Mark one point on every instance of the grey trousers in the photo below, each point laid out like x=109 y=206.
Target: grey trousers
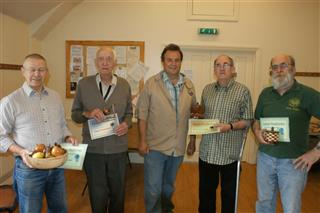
x=106 y=181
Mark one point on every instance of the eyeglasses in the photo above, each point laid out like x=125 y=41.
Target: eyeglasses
x=224 y=66
x=282 y=66
x=33 y=70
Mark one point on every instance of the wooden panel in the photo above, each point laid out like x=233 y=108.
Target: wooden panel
x=10 y=66
x=185 y=197
x=305 y=74
x=6 y=167
x=79 y=61
x=308 y=74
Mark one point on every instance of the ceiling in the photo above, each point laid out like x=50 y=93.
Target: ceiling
x=27 y=11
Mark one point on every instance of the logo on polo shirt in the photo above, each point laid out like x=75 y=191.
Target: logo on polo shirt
x=293 y=104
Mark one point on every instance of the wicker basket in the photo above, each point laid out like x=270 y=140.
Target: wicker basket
x=47 y=163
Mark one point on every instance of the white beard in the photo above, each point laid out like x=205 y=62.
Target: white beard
x=279 y=83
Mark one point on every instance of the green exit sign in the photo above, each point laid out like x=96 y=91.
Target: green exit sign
x=208 y=31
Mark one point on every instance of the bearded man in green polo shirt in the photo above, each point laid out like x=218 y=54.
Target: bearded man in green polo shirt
x=287 y=100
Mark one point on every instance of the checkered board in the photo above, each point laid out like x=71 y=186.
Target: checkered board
x=271 y=137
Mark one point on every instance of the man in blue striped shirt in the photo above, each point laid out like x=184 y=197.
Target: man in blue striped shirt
x=31 y=115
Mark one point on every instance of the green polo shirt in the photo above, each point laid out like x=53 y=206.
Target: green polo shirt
x=299 y=103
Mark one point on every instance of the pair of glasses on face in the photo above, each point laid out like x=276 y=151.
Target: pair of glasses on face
x=222 y=66
x=282 y=66
x=33 y=70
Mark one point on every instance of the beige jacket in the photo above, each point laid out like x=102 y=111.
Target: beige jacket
x=163 y=134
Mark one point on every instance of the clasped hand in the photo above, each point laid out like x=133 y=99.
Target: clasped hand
x=97 y=114
x=122 y=129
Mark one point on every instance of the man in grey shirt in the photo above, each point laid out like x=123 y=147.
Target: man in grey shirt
x=105 y=162
x=34 y=114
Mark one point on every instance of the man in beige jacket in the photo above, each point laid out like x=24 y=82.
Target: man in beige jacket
x=163 y=111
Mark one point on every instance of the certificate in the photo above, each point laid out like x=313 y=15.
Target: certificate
x=104 y=128
x=76 y=155
x=203 y=126
x=279 y=124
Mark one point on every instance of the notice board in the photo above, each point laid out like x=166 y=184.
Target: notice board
x=80 y=62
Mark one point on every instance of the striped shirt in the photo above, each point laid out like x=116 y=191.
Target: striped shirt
x=174 y=91
x=227 y=104
x=29 y=118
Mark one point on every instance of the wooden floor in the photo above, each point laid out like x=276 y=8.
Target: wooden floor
x=186 y=195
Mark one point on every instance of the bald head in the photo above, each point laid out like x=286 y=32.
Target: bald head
x=34 y=56
x=224 y=57
x=285 y=58
x=106 y=49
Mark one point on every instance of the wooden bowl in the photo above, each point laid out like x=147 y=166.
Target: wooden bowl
x=47 y=163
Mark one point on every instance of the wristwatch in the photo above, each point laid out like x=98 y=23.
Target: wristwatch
x=318 y=146
x=231 y=126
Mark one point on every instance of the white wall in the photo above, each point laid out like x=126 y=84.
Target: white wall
x=13 y=48
x=15 y=44
x=286 y=27
x=273 y=27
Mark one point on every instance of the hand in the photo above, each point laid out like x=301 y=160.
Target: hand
x=224 y=127
x=143 y=148
x=191 y=148
x=122 y=129
x=97 y=114
x=24 y=153
x=196 y=115
x=259 y=135
x=305 y=161
x=72 y=140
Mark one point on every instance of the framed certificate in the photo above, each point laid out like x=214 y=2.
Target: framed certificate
x=279 y=124
x=203 y=126
x=104 y=128
x=76 y=155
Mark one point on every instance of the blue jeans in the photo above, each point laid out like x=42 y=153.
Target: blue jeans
x=276 y=174
x=160 y=173
x=31 y=184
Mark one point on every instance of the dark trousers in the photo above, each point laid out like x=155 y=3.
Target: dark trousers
x=106 y=181
x=209 y=175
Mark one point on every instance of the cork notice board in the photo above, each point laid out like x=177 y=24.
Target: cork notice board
x=80 y=57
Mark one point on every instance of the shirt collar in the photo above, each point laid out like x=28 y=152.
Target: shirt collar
x=30 y=92
x=295 y=86
x=166 y=78
x=113 y=81
x=229 y=85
